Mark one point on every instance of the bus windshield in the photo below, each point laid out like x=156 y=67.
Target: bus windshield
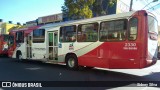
x=11 y=40
x=152 y=24
x=5 y=38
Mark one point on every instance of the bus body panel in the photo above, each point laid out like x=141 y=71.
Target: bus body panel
x=128 y=54
x=3 y=44
x=39 y=51
x=91 y=56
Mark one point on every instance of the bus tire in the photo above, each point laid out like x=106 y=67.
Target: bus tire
x=72 y=62
x=19 y=56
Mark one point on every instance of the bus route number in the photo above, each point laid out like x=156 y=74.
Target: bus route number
x=130 y=46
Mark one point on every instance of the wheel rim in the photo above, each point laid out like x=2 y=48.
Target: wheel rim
x=71 y=62
x=20 y=57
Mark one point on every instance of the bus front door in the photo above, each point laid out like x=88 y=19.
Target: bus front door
x=53 y=45
x=29 y=47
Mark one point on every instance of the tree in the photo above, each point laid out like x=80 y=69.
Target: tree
x=78 y=8
x=100 y=7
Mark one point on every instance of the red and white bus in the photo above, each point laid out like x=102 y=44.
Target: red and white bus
x=4 y=44
x=18 y=40
x=126 y=40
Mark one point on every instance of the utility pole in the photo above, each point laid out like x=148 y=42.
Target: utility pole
x=131 y=3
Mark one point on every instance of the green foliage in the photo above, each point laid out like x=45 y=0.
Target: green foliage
x=111 y=2
x=78 y=8
x=98 y=8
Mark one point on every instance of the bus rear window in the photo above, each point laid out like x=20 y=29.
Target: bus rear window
x=152 y=24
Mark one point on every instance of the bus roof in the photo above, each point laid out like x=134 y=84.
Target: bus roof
x=24 y=28
x=101 y=18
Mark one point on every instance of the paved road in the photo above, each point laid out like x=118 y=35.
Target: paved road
x=12 y=70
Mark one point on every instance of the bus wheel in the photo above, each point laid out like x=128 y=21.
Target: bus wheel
x=72 y=62
x=19 y=56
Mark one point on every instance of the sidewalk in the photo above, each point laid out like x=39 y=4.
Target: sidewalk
x=139 y=72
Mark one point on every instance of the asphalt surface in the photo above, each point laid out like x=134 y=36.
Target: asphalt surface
x=13 y=70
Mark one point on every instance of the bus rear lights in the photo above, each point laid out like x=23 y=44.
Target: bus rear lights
x=153 y=36
x=151 y=62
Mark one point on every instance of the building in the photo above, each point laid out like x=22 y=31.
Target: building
x=50 y=19
x=5 y=27
x=32 y=23
x=121 y=7
x=118 y=7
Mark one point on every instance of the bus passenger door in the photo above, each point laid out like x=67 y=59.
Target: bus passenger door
x=29 y=47
x=53 y=45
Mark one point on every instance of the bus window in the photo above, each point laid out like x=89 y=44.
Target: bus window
x=113 y=30
x=39 y=36
x=152 y=24
x=68 y=34
x=88 y=32
x=11 y=41
x=5 y=38
x=133 y=28
x=19 y=37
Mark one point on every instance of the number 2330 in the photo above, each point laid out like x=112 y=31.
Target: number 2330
x=130 y=44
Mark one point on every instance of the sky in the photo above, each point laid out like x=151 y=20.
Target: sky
x=140 y=4
x=28 y=10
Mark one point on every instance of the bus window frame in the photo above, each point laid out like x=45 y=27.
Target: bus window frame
x=9 y=40
x=21 y=40
x=5 y=38
x=35 y=38
x=126 y=30
x=75 y=28
x=80 y=26
x=129 y=29
x=154 y=22
x=153 y=35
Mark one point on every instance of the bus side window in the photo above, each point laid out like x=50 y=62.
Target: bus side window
x=20 y=37
x=113 y=30
x=39 y=36
x=61 y=38
x=68 y=34
x=133 y=29
x=88 y=32
x=11 y=41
